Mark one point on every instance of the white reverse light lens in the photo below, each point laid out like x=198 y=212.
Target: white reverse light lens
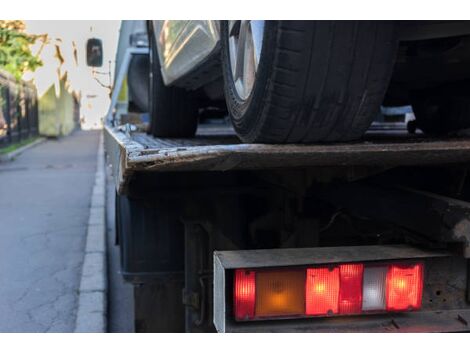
x=373 y=289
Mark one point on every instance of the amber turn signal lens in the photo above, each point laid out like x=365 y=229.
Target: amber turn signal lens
x=280 y=293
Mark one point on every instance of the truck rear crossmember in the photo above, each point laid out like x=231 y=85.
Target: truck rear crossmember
x=215 y=148
x=228 y=196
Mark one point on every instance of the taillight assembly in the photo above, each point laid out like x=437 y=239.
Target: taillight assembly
x=339 y=289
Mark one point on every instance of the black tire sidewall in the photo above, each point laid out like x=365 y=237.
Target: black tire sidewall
x=173 y=110
x=138 y=90
x=152 y=49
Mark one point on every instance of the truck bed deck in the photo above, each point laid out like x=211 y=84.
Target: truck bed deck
x=216 y=148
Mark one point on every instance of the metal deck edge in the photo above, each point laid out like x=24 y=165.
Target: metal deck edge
x=221 y=157
x=320 y=255
x=118 y=146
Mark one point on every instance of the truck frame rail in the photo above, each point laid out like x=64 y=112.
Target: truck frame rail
x=216 y=148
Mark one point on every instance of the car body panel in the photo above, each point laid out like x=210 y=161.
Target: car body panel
x=129 y=29
x=183 y=45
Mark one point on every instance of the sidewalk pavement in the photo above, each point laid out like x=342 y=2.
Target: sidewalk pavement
x=45 y=197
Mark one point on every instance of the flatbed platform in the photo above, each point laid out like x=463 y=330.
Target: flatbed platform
x=216 y=148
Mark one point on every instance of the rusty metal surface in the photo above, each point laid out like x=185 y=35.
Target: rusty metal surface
x=445 y=284
x=215 y=148
x=224 y=152
x=320 y=255
x=433 y=216
x=435 y=321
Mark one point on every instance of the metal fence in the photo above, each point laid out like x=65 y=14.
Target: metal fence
x=18 y=110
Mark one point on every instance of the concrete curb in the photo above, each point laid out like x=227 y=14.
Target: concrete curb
x=92 y=295
x=12 y=155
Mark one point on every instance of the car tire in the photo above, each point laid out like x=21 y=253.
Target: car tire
x=173 y=111
x=138 y=83
x=315 y=80
x=443 y=110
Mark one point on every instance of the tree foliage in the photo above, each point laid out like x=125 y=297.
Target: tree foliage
x=15 y=48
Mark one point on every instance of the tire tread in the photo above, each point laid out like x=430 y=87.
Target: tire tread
x=330 y=76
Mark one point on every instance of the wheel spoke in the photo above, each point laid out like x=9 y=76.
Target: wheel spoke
x=241 y=45
x=245 y=40
x=233 y=28
x=257 y=32
x=249 y=69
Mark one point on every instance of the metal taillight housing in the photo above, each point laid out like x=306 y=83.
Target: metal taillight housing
x=260 y=285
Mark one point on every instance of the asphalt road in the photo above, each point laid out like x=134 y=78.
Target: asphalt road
x=44 y=207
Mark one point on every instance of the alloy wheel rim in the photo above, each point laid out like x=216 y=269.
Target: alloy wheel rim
x=245 y=40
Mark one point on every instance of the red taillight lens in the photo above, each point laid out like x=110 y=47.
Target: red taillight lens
x=350 y=295
x=404 y=287
x=322 y=290
x=244 y=294
x=342 y=289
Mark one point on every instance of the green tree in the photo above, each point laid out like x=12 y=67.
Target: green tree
x=15 y=48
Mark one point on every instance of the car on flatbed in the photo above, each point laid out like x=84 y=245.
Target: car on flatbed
x=367 y=235
x=306 y=81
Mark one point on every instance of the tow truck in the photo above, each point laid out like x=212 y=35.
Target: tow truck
x=216 y=234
